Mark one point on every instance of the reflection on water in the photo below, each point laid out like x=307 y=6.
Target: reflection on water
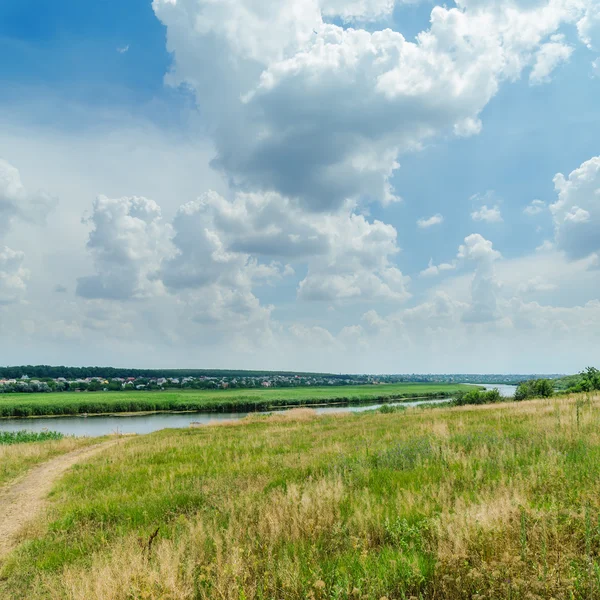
x=147 y=423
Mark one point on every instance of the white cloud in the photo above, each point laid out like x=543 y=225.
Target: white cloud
x=123 y=49
x=358 y=10
x=576 y=213
x=489 y=215
x=537 y=284
x=424 y=223
x=535 y=208
x=347 y=257
x=13 y=277
x=484 y=285
x=477 y=249
x=16 y=202
x=548 y=57
x=128 y=241
x=321 y=113
x=596 y=68
x=434 y=270
x=588 y=26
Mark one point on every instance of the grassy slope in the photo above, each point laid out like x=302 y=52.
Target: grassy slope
x=18 y=458
x=497 y=501
x=217 y=400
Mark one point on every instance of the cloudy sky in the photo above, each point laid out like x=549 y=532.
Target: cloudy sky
x=340 y=185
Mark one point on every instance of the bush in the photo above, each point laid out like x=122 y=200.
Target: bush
x=23 y=437
x=534 y=388
x=476 y=396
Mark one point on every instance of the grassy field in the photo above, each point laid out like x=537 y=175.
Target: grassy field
x=71 y=403
x=16 y=459
x=487 y=502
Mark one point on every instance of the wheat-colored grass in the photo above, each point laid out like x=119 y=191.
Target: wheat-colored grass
x=481 y=502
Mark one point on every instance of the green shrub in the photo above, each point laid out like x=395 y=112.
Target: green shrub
x=477 y=396
x=22 y=437
x=534 y=388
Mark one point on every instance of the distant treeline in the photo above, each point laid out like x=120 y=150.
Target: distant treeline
x=50 y=372
x=53 y=372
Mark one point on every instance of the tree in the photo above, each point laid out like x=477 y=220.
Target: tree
x=590 y=379
x=534 y=388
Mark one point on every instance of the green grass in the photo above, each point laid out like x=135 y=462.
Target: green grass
x=476 y=502
x=16 y=459
x=72 y=403
x=24 y=437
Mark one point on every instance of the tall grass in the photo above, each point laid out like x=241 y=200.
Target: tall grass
x=243 y=400
x=23 y=437
x=473 y=502
x=16 y=459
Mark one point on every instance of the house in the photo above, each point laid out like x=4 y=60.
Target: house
x=266 y=384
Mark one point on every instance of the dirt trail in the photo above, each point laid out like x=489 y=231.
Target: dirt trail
x=23 y=500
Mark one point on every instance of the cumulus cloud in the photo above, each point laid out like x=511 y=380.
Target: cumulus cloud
x=127 y=242
x=347 y=257
x=576 y=213
x=320 y=113
x=535 y=208
x=358 y=10
x=588 y=26
x=477 y=249
x=484 y=285
x=488 y=215
x=13 y=277
x=424 y=223
x=548 y=57
x=17 y=202
x=537 y=284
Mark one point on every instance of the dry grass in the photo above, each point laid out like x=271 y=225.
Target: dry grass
x=481 y=502
x=17 y=459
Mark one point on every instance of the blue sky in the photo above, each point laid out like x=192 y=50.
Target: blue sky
x=109 y=101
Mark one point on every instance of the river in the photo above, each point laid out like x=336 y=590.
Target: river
x=148 y=422
x=508 y=391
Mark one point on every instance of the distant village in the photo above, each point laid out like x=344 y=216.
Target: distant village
x=37 y=379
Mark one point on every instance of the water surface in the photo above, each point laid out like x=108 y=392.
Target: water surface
x=147 y=423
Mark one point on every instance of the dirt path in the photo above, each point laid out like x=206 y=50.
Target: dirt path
x=23 y=500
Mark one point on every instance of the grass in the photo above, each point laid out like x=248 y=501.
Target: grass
x=63 y=403
x=473 y=502
x=16 y=459
x=24 y=437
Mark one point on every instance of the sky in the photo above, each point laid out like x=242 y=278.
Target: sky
x=329 y=185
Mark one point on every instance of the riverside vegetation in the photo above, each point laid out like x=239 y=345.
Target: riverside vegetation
x=24 y=437
x=27 y=405
x=470 y=502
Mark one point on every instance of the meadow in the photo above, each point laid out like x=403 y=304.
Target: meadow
x=18 y=458
x=472 y=502
x=73 y=403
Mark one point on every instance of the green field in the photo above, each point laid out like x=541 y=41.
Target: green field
x=490 y=502
x=72 y=403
